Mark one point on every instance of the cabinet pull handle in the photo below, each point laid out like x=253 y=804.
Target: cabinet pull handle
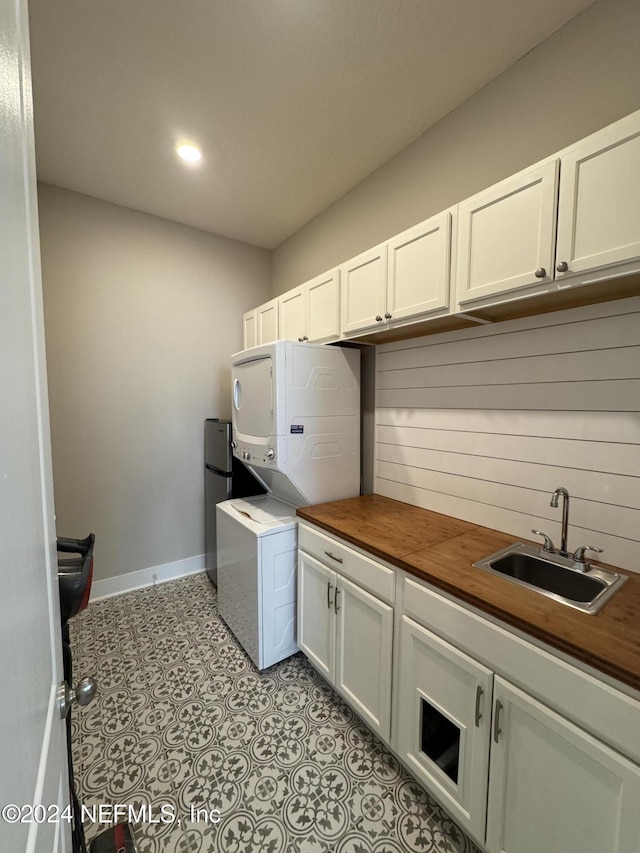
x=478 y=714
x=563 y=266
x=335 y=599
x=540 y=272
x=333 y=556
x=329 y=588
x=497 y=731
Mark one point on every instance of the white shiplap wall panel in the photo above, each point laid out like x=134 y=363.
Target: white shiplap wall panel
x=620 y=491
x=621 y=427
x=598 y=365
x=619 y=395
x=604 y=326
x=603 y=456
x=484 y=424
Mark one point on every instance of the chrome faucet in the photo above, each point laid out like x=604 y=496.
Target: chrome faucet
x=565 y=517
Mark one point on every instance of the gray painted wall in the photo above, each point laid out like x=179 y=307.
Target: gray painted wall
x=582 y=78
x=141 y=316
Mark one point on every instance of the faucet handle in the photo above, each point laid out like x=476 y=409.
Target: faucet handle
x=578 y=554
x=548 y=544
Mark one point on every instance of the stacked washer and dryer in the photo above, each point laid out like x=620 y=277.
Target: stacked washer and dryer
x=296 y=426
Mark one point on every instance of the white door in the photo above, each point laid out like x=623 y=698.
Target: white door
x=506 y=236
x=599 y=211
x=249 y=330
x=32 y=734
x=323 y=307
x=253 y=397
x=363 y=654
x=316 y=617
x=444 y=722
x=554 y=787
x=364 y=291
x=292 y=315
x=419 y=269
x=267 y=317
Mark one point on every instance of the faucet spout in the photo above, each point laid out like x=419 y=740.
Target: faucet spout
x=562 y=492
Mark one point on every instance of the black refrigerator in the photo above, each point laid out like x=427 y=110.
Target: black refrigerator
x=224 y=478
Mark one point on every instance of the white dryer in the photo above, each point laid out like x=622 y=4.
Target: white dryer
x=257 y=558
x=296 y=419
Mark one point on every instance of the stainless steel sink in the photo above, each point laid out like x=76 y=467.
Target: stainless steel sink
x=564 y=579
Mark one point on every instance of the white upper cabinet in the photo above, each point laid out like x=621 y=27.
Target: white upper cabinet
x=364 y=291
x=292 y=315
x=404 y=279
x=599 y=208
x=506 y=236
x=323 y=307
x=507 y=242
x=311 y=312
x=571 y=220
x=419 y=266
x=267 y=322
x=249 y=329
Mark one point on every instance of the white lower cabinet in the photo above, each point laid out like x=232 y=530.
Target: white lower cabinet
x=516 y=744
x=553 y=786
x=496 y=757
x=444 y=722
x=347 y=634
x=316 y=614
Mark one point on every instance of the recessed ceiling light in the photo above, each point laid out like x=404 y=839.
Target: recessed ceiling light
x=189 y=153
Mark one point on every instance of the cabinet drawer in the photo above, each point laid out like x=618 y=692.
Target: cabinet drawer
x=368 y=573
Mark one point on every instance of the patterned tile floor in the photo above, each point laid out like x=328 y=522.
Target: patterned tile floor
x=184 y=722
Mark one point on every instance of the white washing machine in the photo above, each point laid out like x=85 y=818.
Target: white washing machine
x=257 y=544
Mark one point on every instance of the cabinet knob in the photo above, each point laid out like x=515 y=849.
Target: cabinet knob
x=540 y=272
x=305 y=338
x=300 y=340
x=387 y=316
x=563 y=266
x=379 y=318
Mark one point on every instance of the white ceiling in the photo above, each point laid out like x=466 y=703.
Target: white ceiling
x=293 y=101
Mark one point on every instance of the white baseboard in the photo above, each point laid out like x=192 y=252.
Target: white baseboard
x=146 y=577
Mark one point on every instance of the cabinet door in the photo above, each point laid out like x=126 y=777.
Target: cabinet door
x=419 y=268
x=249 y=330
x=267 y=322
x=506 y=236
x=554 y=787
x=364 y=653
x=323 y=307
x=444 y=710
x=364 y=291
x=292 y=315
x=316 y=617
x=277 y=596
x=599 y=209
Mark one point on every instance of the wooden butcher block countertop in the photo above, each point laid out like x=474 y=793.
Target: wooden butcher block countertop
x=440 y=550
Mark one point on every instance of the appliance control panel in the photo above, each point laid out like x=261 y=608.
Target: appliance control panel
x=262 y=455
